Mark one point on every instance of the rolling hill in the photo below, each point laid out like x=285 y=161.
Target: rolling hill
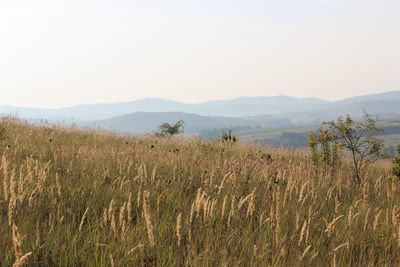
x=245 y=106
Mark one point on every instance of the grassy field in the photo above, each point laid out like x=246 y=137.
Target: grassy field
x=84 y=198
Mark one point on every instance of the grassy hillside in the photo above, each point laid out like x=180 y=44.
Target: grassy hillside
x=85 y=198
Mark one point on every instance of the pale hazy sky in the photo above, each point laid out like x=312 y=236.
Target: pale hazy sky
x=56 y=53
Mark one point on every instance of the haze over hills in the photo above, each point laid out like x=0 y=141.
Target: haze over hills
x=239 y=107
x=390 y=95
x=143 y=115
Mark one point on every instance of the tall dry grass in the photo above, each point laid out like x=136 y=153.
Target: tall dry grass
x=89 y=198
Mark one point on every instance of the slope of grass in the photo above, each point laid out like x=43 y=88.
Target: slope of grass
x=86 y=198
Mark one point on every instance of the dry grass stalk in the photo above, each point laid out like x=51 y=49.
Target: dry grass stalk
x=200 y=199
x=113 y=224
x=221 y=186
x=366 y=219
x=205 y=204
x=303 y=187
x=331 y=225
x=305 y=253
x=111 y=261
x=212 y=208
x=376 y=220
x=341 y=246
x=394 y=215
x=178 y=228
x=334 y=261
x=223 y=206
x=58 y=185
x=297 y=220
x=398 y=236
x=243 y=200
x=121 y=215
x=16 y=239
x=110 y=209
x=303 y=231
x=105 y=217
x=350 y=216
x=148 y=218
x=12 y=203
x=4 y=165
x=83 y=219
x=337 y=203
x=129 y=208
x=139 y=197
x=135 y=248
x=232 y=211
x=153 y=173
x=192 y=211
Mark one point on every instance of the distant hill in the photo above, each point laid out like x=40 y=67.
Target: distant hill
x=246 y=106
x=381 y=108
x=387 y=96
x=239 y=107
x=258 y=112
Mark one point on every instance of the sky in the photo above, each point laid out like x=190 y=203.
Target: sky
x=57 y=53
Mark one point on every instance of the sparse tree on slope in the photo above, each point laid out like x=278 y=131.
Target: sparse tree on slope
x=360 y=139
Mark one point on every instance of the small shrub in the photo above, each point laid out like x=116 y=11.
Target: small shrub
x=396 y=164
x=324 y=148
x=229 y=137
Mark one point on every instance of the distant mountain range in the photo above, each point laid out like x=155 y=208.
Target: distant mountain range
x=144 y=115
x=239 y=107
